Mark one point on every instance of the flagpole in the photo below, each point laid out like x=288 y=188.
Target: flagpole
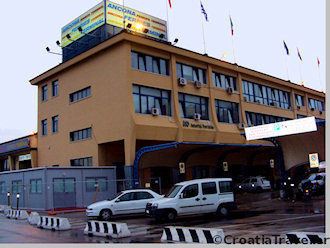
x=300 y=72
x=124 y=26
x=168 y=23
x=287 y=67
x=232 y=40
x=204 y=36
x=319 y=73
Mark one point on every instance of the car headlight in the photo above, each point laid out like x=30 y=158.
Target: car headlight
x=155 y=205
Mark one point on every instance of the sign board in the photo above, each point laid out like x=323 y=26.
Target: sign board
x=89 y=21
x=283 y=128
x=272 y=163
x=147 y=185
x=225 y=166
x=314 y=160
x=139 y=21
x=24 y=157
x=182 y=168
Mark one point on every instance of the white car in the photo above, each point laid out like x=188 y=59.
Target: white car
x=126 y=202
x=194 y=197
x=257 y=183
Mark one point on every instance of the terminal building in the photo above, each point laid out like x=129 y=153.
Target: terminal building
x=126 y=97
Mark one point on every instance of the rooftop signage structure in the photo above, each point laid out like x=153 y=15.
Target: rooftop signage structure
x=283 y=128
x=116 y=15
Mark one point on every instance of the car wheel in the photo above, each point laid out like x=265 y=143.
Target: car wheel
x=223 y=211
x=259 y=189
x=171 y=215
x=105 y=214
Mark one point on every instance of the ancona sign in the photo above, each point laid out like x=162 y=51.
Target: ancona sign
x=283 y=128
x=115 y=15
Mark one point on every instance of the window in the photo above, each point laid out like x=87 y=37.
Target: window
x=149 y=63
x=146 y=98
x=94 y=184
x=44 y=93
x=35 y=186
x=55 y=124
x=261 y=94
x=227 y=112
x=191 y=73
x=209 y=188
x=82 y=134
x=127 y=197
x=143 y=195
x=66 y=185
x=255 y=119
x=80 y=95
x=191 y=105
x=190 y=191
x=44 y=128
x=224 y=81
x=55 y=88
x=315 y=104
x=3 y=188
x=299 y=100
x=16 y=186
x=82 y=161
x=225 y=187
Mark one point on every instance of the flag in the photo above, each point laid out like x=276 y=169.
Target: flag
x=299 y=55
x=170 y=3
x=286 y=48
x=318 y=62
x=204 y=12
x=232 y=26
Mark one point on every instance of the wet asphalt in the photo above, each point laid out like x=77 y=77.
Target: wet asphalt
x=262 y=214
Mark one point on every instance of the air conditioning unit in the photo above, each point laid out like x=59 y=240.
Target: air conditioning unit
x=197 y=117
x=241 y=126
x=312 y=109
x=155 y=111
x=321 y=112
x=298 y=107
x=272 y=103
x=257 y=101
x=230 y=90
x=182 y=81
x=245 y=99
x=198 y=84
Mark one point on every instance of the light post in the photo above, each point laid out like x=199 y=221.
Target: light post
x=17 y=200
x=8 y=199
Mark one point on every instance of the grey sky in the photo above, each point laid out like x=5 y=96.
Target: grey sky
x=260 y=27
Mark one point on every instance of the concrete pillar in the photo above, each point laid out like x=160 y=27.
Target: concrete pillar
x=11 y=163
x=34 y=158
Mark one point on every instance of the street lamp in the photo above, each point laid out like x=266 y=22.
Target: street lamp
x=8 y=199
x=17 y=200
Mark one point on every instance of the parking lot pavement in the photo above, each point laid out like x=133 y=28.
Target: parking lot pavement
x=257 y=214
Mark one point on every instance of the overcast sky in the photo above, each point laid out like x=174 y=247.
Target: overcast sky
x=260 y=28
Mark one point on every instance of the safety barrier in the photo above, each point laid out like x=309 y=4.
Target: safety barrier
x=17 y=214
x=34 y=218
x=54 y=223
x=305 y=238
x=192 y=235
x=107 y=229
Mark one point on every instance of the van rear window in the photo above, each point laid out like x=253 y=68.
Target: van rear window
x=209 y=188
x=225 y=187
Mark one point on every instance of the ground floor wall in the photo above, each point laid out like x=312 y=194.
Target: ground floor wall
x=57 y=188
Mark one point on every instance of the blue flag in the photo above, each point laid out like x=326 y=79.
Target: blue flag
x=204 y=12
x=286 y=48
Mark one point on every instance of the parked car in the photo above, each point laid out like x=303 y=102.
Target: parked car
x=314 y=182
x=254 y=184
x=199 y=196
x=125 y=203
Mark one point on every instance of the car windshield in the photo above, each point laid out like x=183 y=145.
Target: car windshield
x=174 y=191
